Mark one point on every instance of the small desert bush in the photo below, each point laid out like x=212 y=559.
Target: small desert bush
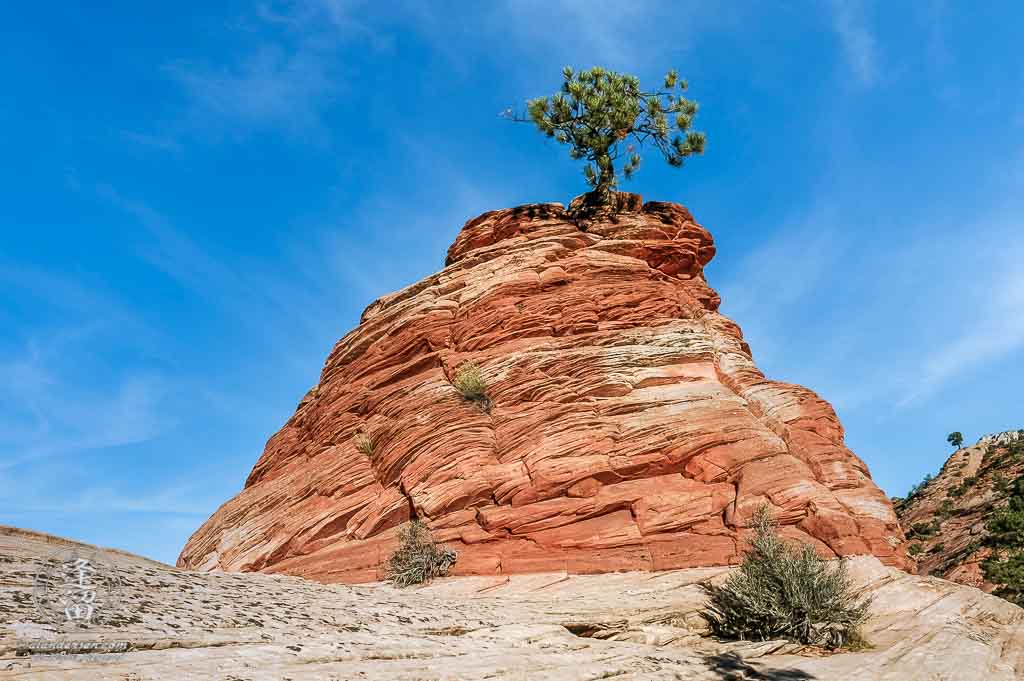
x=785 y=591
x=469 y=381
x=924 y=530
x=418 y=558
x=364 y=443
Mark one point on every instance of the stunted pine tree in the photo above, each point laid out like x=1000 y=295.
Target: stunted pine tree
x=605 y=117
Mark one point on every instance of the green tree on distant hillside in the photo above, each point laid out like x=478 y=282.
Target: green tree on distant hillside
x=955 y=438
x=604 y=116
x=1005 y=566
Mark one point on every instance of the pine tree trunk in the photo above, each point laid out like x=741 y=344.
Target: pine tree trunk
x=605 y=182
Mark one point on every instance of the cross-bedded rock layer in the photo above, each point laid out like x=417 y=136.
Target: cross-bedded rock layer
x=630 y=428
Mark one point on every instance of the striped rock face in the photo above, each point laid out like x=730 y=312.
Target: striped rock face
x=628 y=427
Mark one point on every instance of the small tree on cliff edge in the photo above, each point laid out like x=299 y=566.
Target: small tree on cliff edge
x=603 y=115
x=956 y=439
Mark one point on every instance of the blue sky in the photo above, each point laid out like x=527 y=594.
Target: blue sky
x=199 y=199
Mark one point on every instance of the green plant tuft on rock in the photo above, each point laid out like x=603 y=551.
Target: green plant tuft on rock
x=364 y=443
x=418 y=558
x=469 y=381
x=784 y=591
x=924 y=530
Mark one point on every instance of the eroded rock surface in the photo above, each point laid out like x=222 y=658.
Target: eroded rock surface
x=180 y=625
x=630 y=428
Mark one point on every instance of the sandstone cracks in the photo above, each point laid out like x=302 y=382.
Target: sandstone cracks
x=630 y=427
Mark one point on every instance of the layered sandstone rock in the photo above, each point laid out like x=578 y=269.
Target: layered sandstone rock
x=630 y=428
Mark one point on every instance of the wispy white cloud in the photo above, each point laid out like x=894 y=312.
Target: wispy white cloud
x=170 y=249
x=270 y=87
x=858 y=43
x=775 y=280
x=289 y=303
x=182 y=498
x=601 y=30
x=287 y=77
x=325 y=20
x=299 y=62
x=935 y=16
x=984 y=326
x=909 y=314
x=636 y=36
x=158 y=142
x=54 y=410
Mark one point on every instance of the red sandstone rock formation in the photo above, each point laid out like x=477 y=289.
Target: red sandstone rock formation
x=630 y=428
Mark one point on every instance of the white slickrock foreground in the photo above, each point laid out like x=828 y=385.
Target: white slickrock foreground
x=180 y=625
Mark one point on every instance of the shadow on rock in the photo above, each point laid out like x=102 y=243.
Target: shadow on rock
x=732 y=667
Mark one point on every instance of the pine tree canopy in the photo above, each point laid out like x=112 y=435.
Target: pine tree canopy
x=604 y=116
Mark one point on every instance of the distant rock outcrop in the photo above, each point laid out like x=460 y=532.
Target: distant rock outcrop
x=945 y=517
x=627 y=426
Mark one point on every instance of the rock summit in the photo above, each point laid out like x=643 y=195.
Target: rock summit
x=628 y=427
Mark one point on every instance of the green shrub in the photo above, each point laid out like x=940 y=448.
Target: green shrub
x=938 y=548
x=1002 y=484
x=923 y=530
x=1005 y=566
x=469 y=381
x=786 y=591
x=946 y=508
x=364 y=443
x=963 y=487
x=418 y=558
x=915 y=549
x=1001 y=454
x=920 y=487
